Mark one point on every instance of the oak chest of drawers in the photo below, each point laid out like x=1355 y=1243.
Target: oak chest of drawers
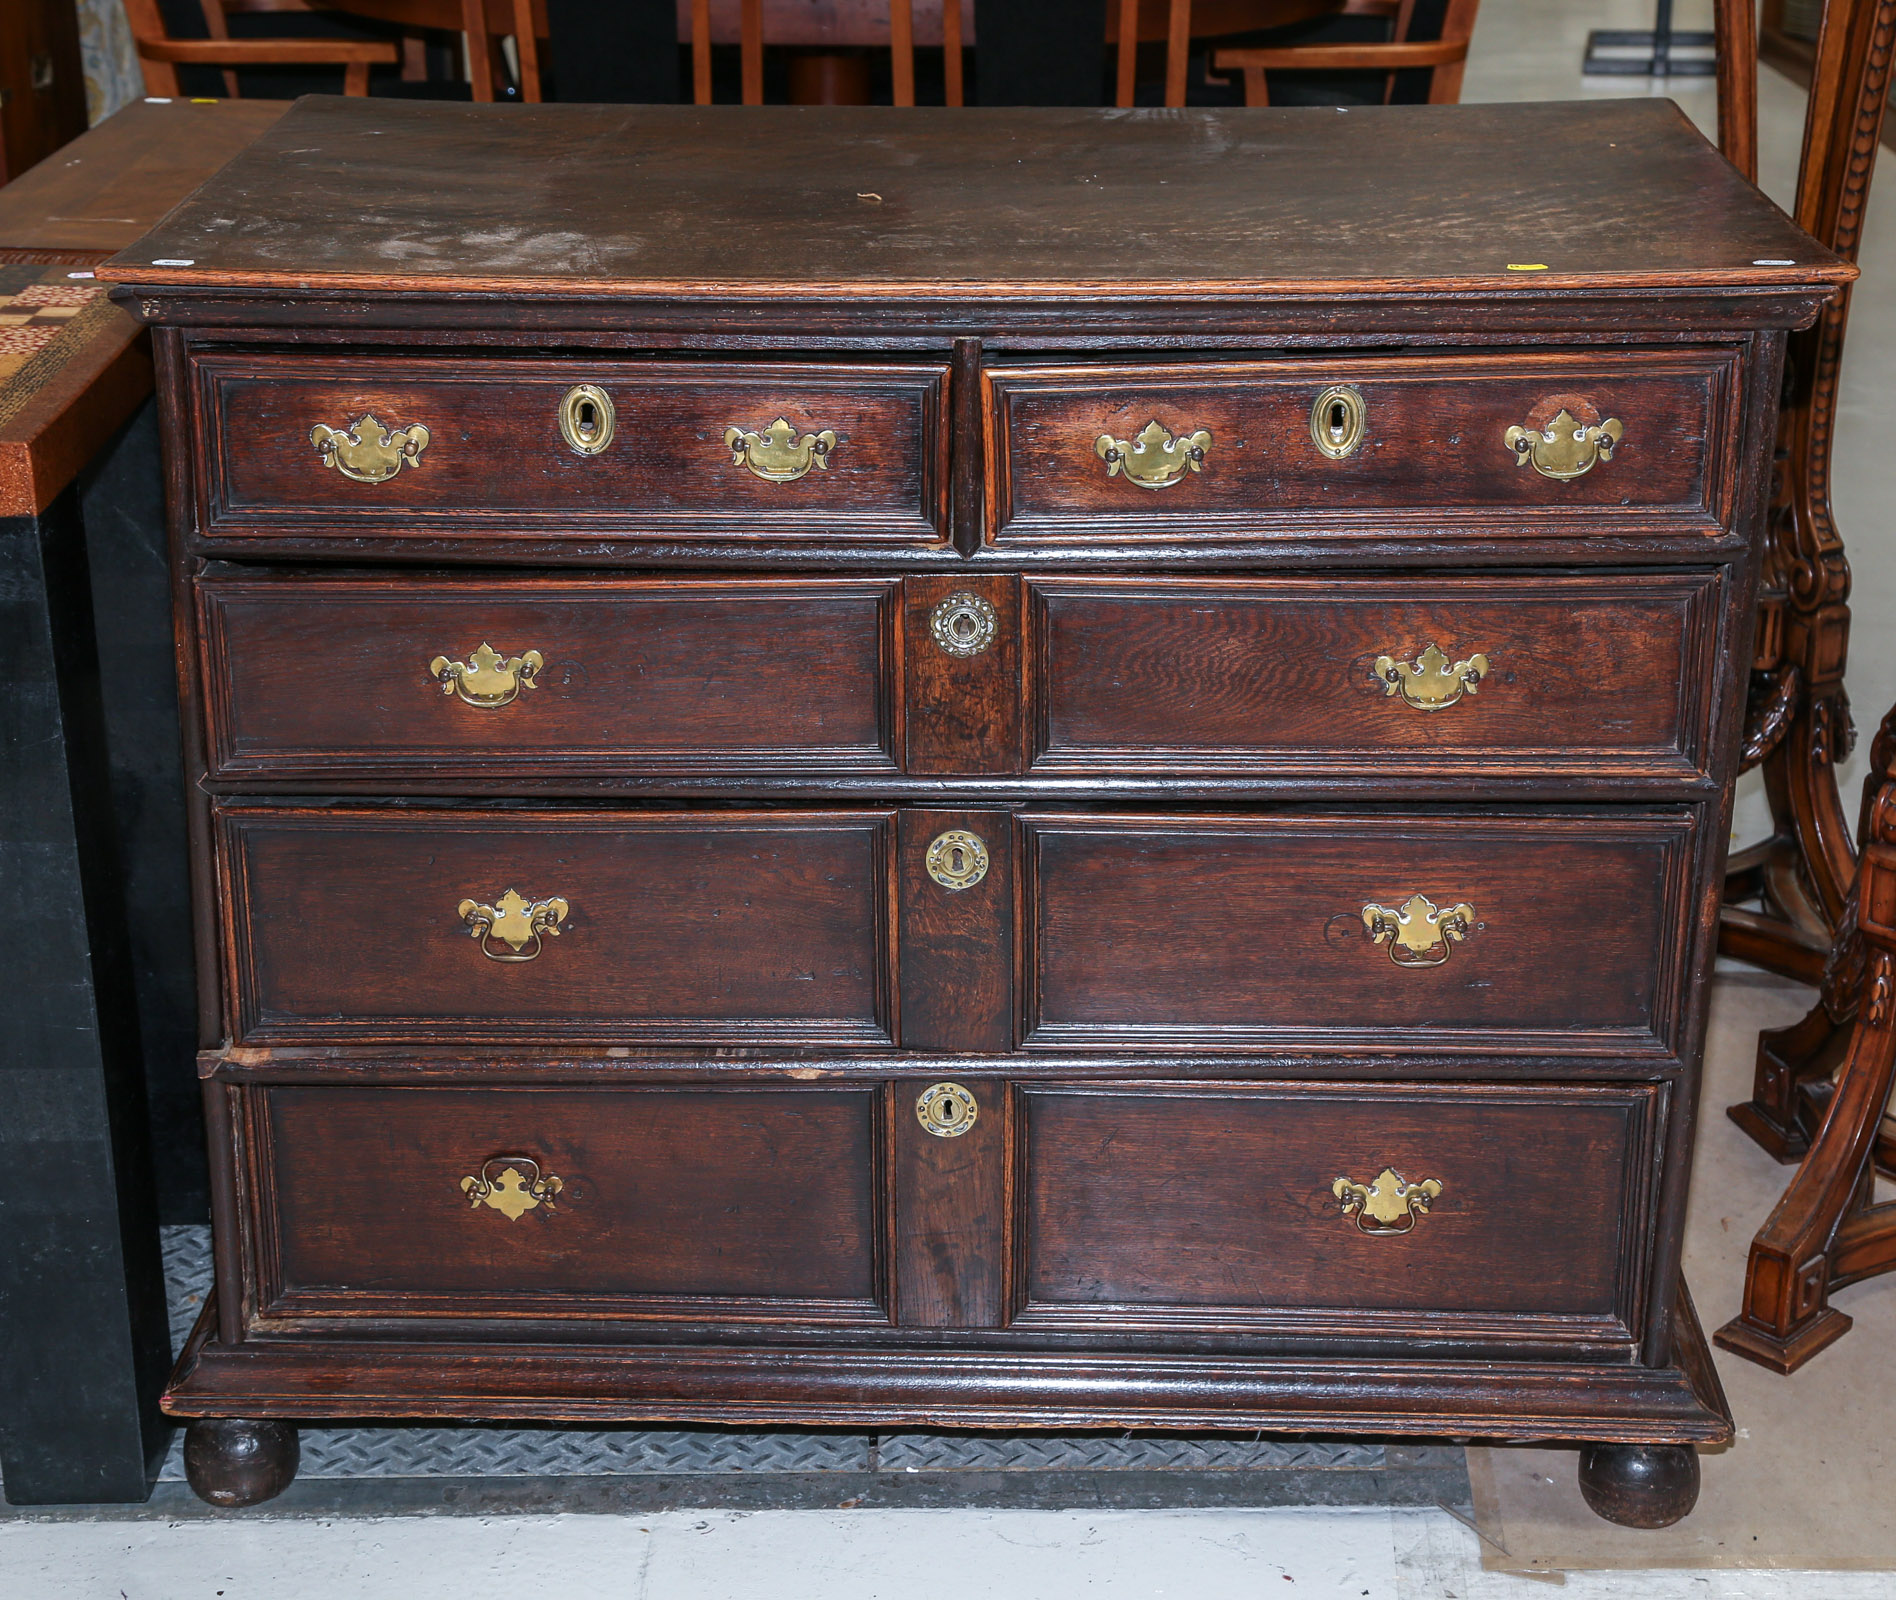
x=1008 y=769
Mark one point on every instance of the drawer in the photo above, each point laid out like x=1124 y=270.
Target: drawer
x=689 y=1204
x=668 y=927
x=315 y=677
x=418 y=447
x=1359 y=1212
x=1534 y=934
x=1436 y=444
x=1607 y=677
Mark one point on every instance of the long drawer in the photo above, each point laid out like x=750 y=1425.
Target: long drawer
x=515 y=683
x=689 y=1204
x=1558 y=932
x=420 y=447
x=1367 y=1213
x=685 y=928
x=1501 y=445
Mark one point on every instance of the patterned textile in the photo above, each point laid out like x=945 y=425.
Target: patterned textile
x=109 y=58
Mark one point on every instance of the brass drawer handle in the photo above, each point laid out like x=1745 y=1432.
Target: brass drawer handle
x=1427 y=933
x=1338 y=421
x=516 y=922
x=963 y=624
x=777 y=455
x=368 y=450
x=946 y=1110
x=485 y=679
x=1567 y=446
x=957 y=859
x=1387 y=1206
x=513 y=1191
x=587 y=419
x=1155 y=459
x=1431 y=682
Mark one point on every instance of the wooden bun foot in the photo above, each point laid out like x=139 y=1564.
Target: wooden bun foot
x=233 y=1462
x=1640 y=1485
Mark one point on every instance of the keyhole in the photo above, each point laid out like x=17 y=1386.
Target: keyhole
x=1339 y=420
x=957 y=860
x=964 y=626
x=588 y=421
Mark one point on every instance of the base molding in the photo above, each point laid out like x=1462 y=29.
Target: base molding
x=1521 y=1401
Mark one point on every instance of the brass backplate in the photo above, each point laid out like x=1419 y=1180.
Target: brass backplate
x=1154 y=458
x=1418 y=932
x=513 y=1190
x=1338 y=421
x=1386 y=1205
x=514 y=921
x=587 y=419
x=963 y=624
x=779 y=454
x=1431 y=682
x=487 y=679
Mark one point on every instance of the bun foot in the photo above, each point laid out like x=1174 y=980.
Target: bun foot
x=233 y=1462
x=1640 y=1485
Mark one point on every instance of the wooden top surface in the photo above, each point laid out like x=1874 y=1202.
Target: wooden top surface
x=99 y=193
x=681 y=200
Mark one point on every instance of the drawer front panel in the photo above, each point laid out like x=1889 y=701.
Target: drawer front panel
x=1366 y=1211
x=674 y=927
x=1246 y=932
x=861 y=455
x=549 y=1202
x=1234 y=456
x=314 y=676
x=1603 y=676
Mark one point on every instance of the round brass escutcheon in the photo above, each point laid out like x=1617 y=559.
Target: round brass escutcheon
x=1338 y=421
x=963 y=624
x=946 y=1110
x=586 y=418
x=957 y=859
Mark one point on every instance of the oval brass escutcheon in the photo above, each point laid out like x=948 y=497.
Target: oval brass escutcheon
x=963 y=624
x=1338 y=420
x=957 y=859
x=946 y=1110
x=587 y=419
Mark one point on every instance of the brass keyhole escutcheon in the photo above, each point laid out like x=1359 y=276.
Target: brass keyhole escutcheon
x=587 y=419
x=957 y=859
x=963 y=624
x=1338 y=421
x=946 y=1110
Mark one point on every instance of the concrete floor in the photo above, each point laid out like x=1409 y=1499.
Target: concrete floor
x=1523 y=50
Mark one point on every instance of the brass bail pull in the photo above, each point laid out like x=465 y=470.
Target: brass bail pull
x=778 y=454
x=1155 y=457
x=511 y=1185
x=369 y=451
x=1386 y=1206
x=1431 y=682
x=1568 y=444
x=1418 y=932
x=513 y=927
x=487 y=679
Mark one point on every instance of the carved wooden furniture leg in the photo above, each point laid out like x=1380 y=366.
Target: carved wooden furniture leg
x=1799 y=726
x=1796 y=1064
x=1827 y=1231
x=233 y=1462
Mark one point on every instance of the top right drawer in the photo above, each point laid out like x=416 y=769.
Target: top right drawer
x=1506 y=446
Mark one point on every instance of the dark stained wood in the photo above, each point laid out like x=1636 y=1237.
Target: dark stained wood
x=1433 y=445
x=313 y=677
x=103 y=190
x=571 y=199
x=952 y=1201
x=1247 y=931
x=780 y=1226
x=495 y=458
x=1166 y=961
x=1640 y=1485
x=1156 y=1205
x=233 y=1462
x=962 y=714
x=683 y=927
x=1590 y=674
x=956 y=945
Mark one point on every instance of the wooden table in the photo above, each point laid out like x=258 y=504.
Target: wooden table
x=95 y=1038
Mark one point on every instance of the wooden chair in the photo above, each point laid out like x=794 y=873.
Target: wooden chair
x=1442 y=57
x=160 y=55
x=751 y=51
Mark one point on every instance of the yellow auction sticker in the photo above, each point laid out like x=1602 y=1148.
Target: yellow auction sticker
x=1527 y=266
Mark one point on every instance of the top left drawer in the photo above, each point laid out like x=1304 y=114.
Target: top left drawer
x=431 y=447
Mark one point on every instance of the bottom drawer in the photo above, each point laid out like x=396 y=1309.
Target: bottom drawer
x=694 y=1204
x=1368 y=1211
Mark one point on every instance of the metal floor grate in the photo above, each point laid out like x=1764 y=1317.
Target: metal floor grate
x=483 y=1469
